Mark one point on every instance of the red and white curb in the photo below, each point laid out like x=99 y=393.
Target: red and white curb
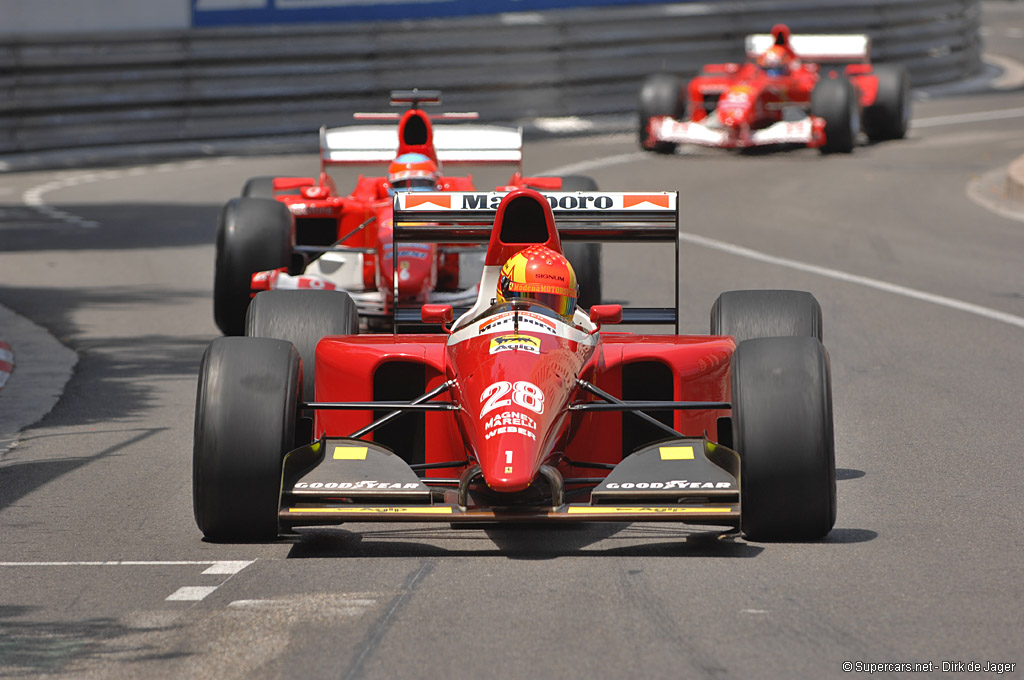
x=6 y=362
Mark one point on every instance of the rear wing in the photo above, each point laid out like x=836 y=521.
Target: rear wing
x=491 y=144
x=468 y=217
x=819 y=49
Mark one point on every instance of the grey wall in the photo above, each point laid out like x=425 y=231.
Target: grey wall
x=123 y=88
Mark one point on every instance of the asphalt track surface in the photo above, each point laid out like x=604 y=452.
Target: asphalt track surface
x=919 y=268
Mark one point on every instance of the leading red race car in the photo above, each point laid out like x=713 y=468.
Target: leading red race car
x=526 y=408
x=815 y=90
x=301 y=233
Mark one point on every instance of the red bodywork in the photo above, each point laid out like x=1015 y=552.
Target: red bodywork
x=746 y=101
x=361 y=222
x=513 y=375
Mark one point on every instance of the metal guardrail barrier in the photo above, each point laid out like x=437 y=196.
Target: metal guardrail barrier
x=202 y=84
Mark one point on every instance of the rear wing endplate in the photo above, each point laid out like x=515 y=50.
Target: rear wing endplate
x=604 y=216
x=478 y=144
x=819 y=49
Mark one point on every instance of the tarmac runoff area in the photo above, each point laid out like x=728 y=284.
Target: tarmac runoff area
x=1015 y=181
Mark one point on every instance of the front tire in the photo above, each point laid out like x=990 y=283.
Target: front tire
x=783 y=433
x=253 y=234
x=660 y=95
x=246 y=408
x=889 y=117
x=835 y=100
x=302 y=317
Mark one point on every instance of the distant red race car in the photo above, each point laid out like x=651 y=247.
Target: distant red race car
x=815 y=90
x=520 y=411
x=302 y=233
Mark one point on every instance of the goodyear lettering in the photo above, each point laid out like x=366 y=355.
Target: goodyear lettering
x=358 y=485
x=674 y=484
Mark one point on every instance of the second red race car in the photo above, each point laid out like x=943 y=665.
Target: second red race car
x=815 y=90
x=302 y=233
x=525 y=408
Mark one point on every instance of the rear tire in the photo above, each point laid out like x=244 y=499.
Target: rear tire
x=302 y=317
x=889 y=116
x=747 y=314
x=835 y=100
x=244 y=424
x=584 y=257
x=783 y=432
x=660 y=95
x=253 y=234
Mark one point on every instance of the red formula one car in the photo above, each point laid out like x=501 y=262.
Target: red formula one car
x=519 y=411
x=814 y=90
x=301 y=233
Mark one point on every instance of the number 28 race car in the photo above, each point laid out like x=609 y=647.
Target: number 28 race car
x=516 y=412
x=815 y=90
x=300 y=233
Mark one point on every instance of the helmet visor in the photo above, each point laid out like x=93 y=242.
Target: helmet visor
x=561 y=304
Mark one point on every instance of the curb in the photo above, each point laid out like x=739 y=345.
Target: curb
x=1015 y=181
x=44 y=368
x=6 y=363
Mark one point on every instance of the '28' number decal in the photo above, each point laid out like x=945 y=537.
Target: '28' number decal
x=524 y=393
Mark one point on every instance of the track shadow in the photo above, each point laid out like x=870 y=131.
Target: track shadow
x=120 y=226
x=21 y=479
x=34 y=648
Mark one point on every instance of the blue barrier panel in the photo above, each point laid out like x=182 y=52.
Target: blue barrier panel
x=252 y=12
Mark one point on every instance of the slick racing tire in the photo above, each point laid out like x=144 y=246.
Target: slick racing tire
x=263 y=187
x=889 y=116
x=245 y=423
x=254 y=234
x=783 y=433
x=747 y=314
x=660 y=95
x=584 y=257
x=835 y=100
x=302 y=317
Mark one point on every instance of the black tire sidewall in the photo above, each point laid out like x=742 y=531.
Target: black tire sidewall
x=783 y=432
x=253 y=234
x=302 y=317
x=246 y=408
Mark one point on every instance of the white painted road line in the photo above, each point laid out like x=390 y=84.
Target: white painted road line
x=893 y=288
x=961 y=118
x=223 y=566
x=191 y=593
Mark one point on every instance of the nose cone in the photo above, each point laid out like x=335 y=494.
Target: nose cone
x=510 y=438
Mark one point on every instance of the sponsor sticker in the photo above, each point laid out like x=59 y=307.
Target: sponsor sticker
x=510 y=422
x=349 y=453
x=365 y=484
x=525 y=343
x=676 y=452
x=674 y=484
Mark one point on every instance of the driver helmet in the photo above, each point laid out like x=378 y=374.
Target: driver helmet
x=413 y=172
x=775 y=61
x=539 y=274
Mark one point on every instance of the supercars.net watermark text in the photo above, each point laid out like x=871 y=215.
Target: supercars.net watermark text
x=929 y=667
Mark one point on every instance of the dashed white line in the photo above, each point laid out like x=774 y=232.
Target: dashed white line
x=191 y=593
x=183 y=594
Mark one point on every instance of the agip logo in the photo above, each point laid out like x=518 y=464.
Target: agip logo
x=523 y=343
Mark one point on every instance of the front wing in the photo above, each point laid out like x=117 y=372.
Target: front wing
x=338 y=480
x=809 y=131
